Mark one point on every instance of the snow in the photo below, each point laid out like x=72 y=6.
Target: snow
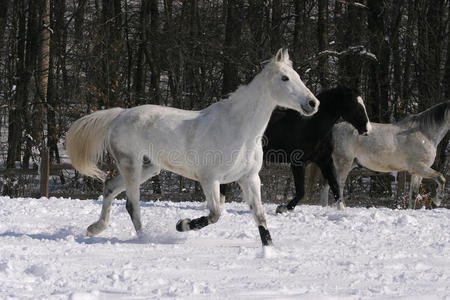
x=319 y=253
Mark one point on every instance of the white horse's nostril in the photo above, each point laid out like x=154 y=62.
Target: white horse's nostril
x=312 y=103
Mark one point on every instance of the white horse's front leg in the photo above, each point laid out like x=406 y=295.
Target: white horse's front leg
x=211 y=189
x=251 y=190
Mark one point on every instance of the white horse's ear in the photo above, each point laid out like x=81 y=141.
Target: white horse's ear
x=279 y=57
x=285 y=54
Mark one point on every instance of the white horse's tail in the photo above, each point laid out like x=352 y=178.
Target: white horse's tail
x=85 y=141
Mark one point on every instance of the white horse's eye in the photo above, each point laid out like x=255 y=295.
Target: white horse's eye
x=284 y=78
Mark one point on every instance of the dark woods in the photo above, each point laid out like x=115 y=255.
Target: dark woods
x=188 y=54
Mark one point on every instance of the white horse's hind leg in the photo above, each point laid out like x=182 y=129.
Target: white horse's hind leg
x=132 y=183
x=251 y=190
x=112 y=187
x=211 y=189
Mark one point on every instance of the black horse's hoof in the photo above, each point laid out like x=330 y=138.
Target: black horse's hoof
x=433 y=206
x=183 y=225
x=282 y=209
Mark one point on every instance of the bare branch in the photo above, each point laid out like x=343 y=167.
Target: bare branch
x=352 y=50
x=356 y=4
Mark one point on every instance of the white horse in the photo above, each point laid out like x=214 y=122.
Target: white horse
x=219 y=144
x=409 y=145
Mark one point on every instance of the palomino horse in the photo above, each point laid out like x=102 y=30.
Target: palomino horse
x=409 y=145
x=219 y=144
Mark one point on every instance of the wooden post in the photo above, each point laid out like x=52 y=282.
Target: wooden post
x=45 y=173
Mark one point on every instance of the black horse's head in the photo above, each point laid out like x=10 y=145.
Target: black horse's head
x=353 y=110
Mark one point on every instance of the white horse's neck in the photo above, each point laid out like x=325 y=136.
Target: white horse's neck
x=251 y=107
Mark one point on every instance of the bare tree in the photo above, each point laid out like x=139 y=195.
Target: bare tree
x=232 y=49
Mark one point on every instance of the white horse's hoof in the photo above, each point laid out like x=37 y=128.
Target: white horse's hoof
x=341 y=206
x=95 y=228
x=183 y=225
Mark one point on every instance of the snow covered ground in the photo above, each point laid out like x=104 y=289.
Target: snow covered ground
x=319 y=253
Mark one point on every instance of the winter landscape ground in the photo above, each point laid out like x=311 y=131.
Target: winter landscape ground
x=319 y=253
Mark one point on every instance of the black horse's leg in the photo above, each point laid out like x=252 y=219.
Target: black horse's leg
x=224 y=191
x=299 y=181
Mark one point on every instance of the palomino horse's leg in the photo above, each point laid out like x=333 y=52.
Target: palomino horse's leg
x=324 y=194
x=413 y=190
x=251 y=191
x=343 y=166
x=213 y=202
x=329 y=173
x=112 y=187
x=428 y=172
x=299 y=182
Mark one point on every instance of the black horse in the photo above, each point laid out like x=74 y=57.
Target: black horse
x=291 y=138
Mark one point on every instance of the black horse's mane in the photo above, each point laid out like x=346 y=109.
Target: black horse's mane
x=338 y=91
x=327 y=100
x=434 y=115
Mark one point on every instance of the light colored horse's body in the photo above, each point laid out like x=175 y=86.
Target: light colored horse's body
x=409 y=145
x=219 y=144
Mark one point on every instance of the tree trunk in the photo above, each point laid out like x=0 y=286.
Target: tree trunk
x=155 y=53
x=441 y=157
x=112 y=44
x=298 y=37
x=378 y=71
x=409 y=57
x=396 y=61
x=232 y=49
x=79 y=16
x=4 y=6
x=139 y=75
x=43 y=75
x=276 y=40
x=430 y=30
x=27 y=52
x=350 y=65
x=322 y=36
x=57 y=53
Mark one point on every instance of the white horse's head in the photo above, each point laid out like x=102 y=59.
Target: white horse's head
x=286 y=87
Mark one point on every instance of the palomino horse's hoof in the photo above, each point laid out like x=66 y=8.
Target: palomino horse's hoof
x=282 y=209
x=340 y=206
x=183 y=225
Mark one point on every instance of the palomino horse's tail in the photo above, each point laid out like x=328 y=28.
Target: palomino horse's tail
x=85 y=141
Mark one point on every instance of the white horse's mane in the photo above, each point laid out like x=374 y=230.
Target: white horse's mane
x=268 y=66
